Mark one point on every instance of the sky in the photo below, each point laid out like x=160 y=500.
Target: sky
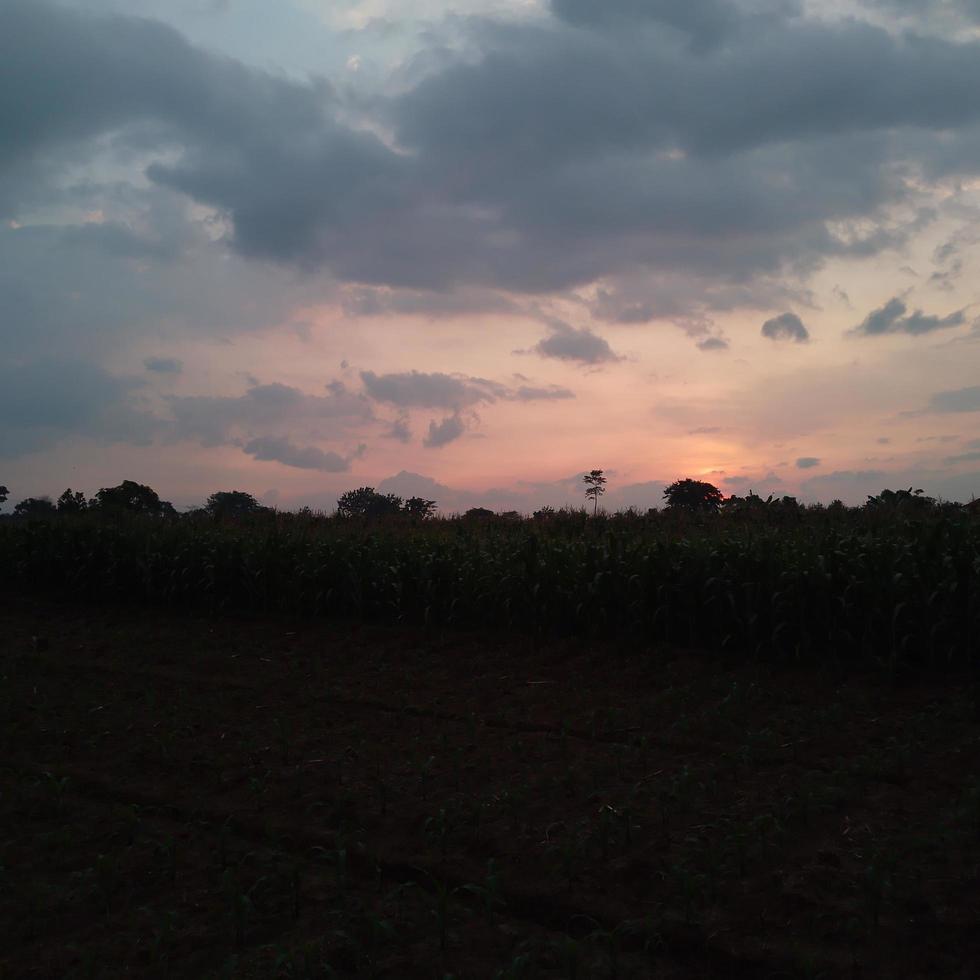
x=469 y=250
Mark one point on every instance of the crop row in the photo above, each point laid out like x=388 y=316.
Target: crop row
x=909 y=593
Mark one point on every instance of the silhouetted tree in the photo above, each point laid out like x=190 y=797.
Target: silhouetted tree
x=35 y=507
x=594 y=488
x=694 y=496
x=419 y=507
x=232 y=503
x=72 y=503
x=479 y=513
x=367 y=502
x=132 y=498
x=4 y=493
x=900 y=501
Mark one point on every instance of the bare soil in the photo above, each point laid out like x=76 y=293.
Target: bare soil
x=256 y=797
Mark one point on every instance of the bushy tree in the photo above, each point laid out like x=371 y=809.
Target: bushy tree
x=35 y=507
x=131 y=498
x=72 y=502
x=900 y=501
x=479 y=513
x=419 y=507
x=367 y=502
x=4 y=493
x=695 y=496
x=232 y=503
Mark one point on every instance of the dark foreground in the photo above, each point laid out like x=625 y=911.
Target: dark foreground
x=194 y=797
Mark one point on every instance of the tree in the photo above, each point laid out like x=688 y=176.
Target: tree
x=133 y=498
x=419 y=507
x=594 y=488
x=367 y=502
x=35 y=507
x=232 y=503
x=4 y=493
x=694 y=496
x=72 y=503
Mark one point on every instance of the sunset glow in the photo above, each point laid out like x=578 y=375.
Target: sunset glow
x=476 y=249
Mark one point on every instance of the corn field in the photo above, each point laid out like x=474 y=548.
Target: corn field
x=898 y=593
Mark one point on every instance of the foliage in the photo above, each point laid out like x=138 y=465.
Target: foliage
x=131 y=498
x=227 y=504
x=367 y=502
x=72 y=502
x=419 y=507
x=859 y=584
x=4 y=493
x=35 y=507
x=594 y=488
x=693 y=495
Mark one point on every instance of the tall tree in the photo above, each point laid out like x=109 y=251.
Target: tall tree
x=594 y=488
x=4 y=493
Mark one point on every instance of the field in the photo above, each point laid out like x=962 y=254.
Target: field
x=624 y=747
x=191 y=795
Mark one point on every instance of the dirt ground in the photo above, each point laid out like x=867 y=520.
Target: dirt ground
x=254 y=797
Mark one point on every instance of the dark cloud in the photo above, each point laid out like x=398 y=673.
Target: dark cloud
x=280 y=449
x=418 y=389
x=43 y=403
x=568 y=343
x=854 y=486
x=956 y=400
x=215 y=420
x=971 y=457
x=894 y=317
x=713 y=343
x=444 y=432
x=400 y=429
x=807 y=462
x=786 y=326
x=548 y=157
x=163 y=365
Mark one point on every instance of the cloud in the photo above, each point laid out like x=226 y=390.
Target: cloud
x=498 y=182
x=44 y=403
x=807 y=462
x=163 y=365
x=970 y=457
x=444 y=432
x=786 y=326
x=527 y=393
x=216 y=420
x=704 y=21
x=280 y=449
x=418 y=389
x=956 y=400
x=891 y=318
x=567 y=343
x=713 y=343
x=399 y=430
x=769 y=481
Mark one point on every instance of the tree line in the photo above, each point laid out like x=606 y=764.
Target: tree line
x=688 y=496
